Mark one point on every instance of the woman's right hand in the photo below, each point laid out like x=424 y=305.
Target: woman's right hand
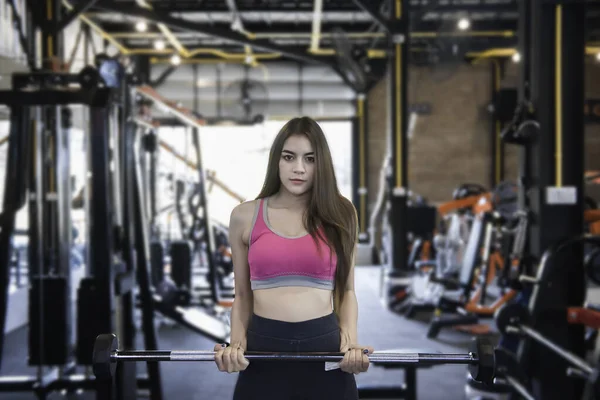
x=230 y=358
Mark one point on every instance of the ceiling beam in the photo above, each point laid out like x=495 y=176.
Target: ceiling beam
x=225 y=34
x=373 y=11
x=454 y=5
x=303 y=30
x=465 y=45
x=253 y=27
x=337 y=6
x=221 y=6
x=78 y=9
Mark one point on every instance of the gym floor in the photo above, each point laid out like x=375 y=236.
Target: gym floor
x=378 y=327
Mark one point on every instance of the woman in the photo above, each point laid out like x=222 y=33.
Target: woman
x=293 y=254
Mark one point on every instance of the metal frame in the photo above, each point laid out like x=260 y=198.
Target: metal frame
x=373 y=12
x=225 y=34
x=80 y=8
x=398 y=185
x=38 y=161
x=360 y=162
x=490 y=21
x=553 y=160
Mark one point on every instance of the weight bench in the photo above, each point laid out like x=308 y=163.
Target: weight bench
x=406 y=391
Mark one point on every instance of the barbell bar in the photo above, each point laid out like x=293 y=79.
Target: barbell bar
x=511 y=371
x=480 y=359
x=513 y=319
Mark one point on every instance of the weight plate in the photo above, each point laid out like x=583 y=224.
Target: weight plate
x=484 y=370
x=513 y=314
x=102 y=366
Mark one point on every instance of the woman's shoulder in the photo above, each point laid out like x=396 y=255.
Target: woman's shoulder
x=244 y=212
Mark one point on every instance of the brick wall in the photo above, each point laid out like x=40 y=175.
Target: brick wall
x=449 y=146
x=452 y=144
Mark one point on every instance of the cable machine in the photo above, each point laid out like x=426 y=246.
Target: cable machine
x=61 y=330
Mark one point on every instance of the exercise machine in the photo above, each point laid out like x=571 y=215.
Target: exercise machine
x=433 y=277
x=173 y=296
x=485 y=262
x=60 y=339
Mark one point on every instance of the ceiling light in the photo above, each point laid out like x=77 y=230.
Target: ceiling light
x=516 y=57
x=464 y=24
x=141 y=26
x=175 y=59
x=159 y=45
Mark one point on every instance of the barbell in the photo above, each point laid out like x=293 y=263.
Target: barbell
x=480 y=358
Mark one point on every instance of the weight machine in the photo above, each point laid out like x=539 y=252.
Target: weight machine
x=59 y=336
x=62 y=331
x=173 y=297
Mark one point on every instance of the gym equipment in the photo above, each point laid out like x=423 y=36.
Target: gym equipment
x=171 y=295
x=435 y=276
x=157 y=254
x=513 y=319
x=591 y=265
x=454 y=300
x=223 y=259
x=210 y=325
x=480 y=359
x=487 y=249
x=181 y=264
x=421 y=223
x=543 y=179
x=529 y=322
x=468 y=190
x=509 y=370
x=61 y=336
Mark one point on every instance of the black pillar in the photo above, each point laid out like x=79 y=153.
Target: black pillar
x=143 y=70
x=360 y=167
x=524 y=48
x=497 y=145
x=556 y=157
x=50 y=212
x=398 y=114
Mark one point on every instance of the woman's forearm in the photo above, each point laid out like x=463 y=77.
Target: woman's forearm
x=240 y=318
x=349 y=316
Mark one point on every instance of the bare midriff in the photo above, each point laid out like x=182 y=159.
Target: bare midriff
x=292 y=303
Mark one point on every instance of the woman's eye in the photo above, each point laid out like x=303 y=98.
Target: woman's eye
x=310 y=159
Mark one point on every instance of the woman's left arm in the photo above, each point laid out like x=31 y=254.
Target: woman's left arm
x=348 y=313
x=355 y=360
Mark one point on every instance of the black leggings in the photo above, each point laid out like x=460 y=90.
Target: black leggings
x=282 y=380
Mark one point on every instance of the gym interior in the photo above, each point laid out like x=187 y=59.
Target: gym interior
x=465 y=132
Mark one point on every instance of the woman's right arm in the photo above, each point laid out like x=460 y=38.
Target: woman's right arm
x=231 y=359
x=243 y=300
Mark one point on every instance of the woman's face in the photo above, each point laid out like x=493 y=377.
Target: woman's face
x=297 y=165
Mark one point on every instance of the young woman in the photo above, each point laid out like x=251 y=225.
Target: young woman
x=293 y=254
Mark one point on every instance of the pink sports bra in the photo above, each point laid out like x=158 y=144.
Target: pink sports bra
x=277 y=260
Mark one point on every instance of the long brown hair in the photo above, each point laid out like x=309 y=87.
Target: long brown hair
x=327 y=208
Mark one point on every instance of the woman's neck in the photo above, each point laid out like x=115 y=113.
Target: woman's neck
x=288 y=200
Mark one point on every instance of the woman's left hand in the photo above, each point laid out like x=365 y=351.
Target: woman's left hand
x=355 y=358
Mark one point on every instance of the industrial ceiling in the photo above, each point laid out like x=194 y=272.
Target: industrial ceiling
x=302 y=30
